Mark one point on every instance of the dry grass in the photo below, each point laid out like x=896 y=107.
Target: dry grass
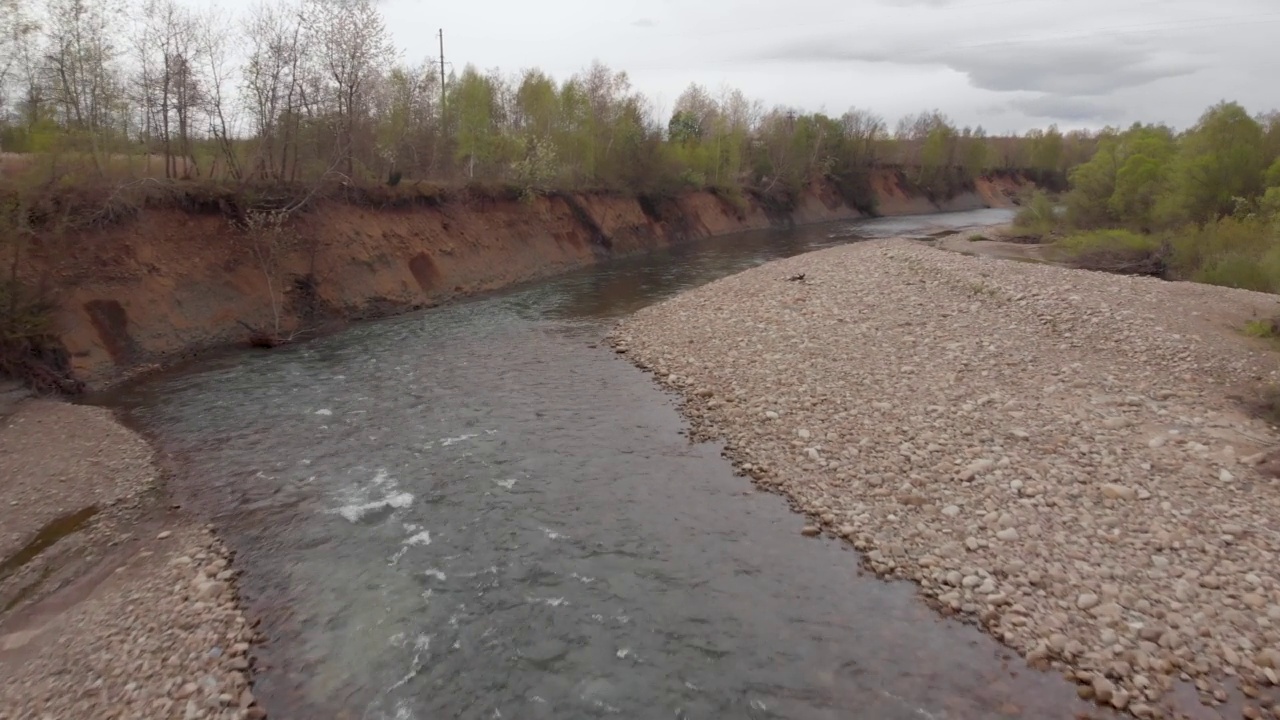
x=40 y=168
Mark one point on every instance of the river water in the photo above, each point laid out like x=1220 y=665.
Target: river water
x=479 y=511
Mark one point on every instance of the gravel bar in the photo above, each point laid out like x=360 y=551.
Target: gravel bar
x=1059 y=456
x=143 y=619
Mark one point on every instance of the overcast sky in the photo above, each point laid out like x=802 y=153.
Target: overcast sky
x=1004 y=64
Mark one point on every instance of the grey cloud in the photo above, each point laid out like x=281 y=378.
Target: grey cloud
x=1071 y=109
x=1065 y=70
x=1070 y=69
x=643 y=23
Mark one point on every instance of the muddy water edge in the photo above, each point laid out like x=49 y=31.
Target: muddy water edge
x=479 y=511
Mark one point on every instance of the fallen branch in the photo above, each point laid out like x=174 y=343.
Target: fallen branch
x=265 y=339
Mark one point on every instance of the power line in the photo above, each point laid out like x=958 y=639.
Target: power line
x=442 y=81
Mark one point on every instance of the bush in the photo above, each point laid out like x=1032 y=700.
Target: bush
x=1265 y=405
x=1038 y=216
x=1230 y=251
x=1262 y=328
x=855 y=188
x=1118 y=251
x=731 y=196
x=29 y=349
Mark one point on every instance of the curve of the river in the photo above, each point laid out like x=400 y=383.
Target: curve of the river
x=479 y=511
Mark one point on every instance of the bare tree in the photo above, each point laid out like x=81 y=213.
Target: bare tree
x=354 y=48
x=168 y=84
x=81 y=64
x=272 y=81
x=402 y=107
x=27 y=67
x=214 y=43
x=605 y=89
x=864 y=129
x=269 y=237
x=15 y=29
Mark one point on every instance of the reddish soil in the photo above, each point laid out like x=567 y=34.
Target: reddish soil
x=175 y=282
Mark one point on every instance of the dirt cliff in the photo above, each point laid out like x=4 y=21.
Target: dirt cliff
x=174 y=282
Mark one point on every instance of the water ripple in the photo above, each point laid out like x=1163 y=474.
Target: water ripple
x=520 y=515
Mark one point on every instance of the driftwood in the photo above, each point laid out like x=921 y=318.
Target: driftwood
x=1123 y=262
x=265 y=339
x=21 y=362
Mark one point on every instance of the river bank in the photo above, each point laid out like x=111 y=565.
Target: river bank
x=113 y=605
x=176 y=279
x=84 y=519
x=1057 y=456
x=483 y=509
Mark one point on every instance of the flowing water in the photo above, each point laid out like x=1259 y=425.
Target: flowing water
x=479 y=511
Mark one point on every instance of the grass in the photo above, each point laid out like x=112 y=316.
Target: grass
x=979 y=288
x=1237 y=252
x=978 y=238
x=1100 y=240
x=1262 y=329
x=1266 y=404
x=1233 y=252
x=1118 y=251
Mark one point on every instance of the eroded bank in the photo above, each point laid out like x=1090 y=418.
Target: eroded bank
x=175 y=282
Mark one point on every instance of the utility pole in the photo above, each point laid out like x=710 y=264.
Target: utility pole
x=442 y=74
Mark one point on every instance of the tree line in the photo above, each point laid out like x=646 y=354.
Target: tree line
x=1202 y=204
x=296 y=90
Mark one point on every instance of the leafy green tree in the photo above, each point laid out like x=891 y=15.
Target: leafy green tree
x=684 y=128
x=1142 y=176
x=537 y=105
x=1126 y=181
x=937 y=157
x=473 y=101
x=1271 y=178
x=1047 y=149
x=1093 y=184
x=975 y=152
x=1220 y=159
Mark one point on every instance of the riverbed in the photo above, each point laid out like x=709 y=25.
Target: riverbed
x=479 y=511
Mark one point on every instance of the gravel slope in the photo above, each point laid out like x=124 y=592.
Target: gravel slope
x=133 y=615
x=1051 y=453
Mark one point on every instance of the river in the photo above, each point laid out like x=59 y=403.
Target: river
x=479 y=511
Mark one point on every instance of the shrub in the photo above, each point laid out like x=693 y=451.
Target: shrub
x=731 y=196
x=1038 y=216
x=29 y=349
x=1118 y=251
x=1262 y=328
x=856 y=189
x=1230 y=251
x=1265 y=404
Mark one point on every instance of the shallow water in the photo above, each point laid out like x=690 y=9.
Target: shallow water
x=479 y=511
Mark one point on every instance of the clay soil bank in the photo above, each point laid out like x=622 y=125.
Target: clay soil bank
x=172 y=283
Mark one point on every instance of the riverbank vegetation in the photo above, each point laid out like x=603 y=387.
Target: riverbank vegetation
x=110 y=107
x=99 y=94
x=1200 y=205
